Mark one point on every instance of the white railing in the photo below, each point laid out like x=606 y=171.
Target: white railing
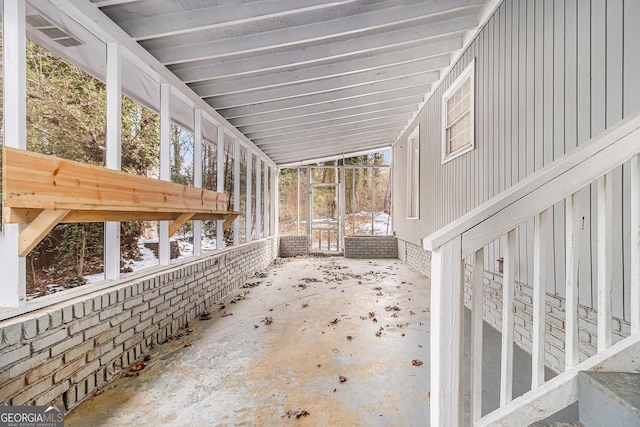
x=499 y=218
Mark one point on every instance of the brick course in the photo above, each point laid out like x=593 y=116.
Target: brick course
x=60 y=354
x=364 y=247
x=294 y=245
x=420 y=259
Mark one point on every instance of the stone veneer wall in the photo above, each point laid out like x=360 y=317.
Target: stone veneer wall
x=294 y=245
x=419 y=259
x=370 y=247
x=61 y=354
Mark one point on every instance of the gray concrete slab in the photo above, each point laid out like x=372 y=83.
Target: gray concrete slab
x=239 y=371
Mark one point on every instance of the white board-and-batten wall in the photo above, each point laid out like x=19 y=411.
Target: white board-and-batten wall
x=549 y=75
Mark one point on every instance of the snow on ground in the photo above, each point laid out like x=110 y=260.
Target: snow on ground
x=381 y=224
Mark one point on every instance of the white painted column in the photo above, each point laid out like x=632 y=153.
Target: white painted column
x=635 y=244
x=113 y=159
x=197 y=176
x=572 y=243
x=541 y=225
x=248 y=218
x=13 y=283
x=446 y=334
x=298 y=202
x=236 y=189
x=275 y=178
x=508 y=284
x=164 y=249
x=258 y=198
x=220 y=185
x=477 y=308
x=605 y=260
x=266 y=203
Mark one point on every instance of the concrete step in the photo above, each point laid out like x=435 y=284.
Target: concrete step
x=609 y=399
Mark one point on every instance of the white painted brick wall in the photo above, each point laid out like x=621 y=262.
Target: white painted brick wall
x=523 y=313
x=61 y=354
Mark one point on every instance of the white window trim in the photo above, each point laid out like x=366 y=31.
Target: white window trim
x=468 y=72
x=415 y=136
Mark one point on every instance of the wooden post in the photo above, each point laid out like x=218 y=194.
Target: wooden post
x=220 y=184
x=258 y=199
x=13 y=283
x=605 y=261
x=446 y=334
x=236 y=189
x=539 y=297
x=248 y=218
x=508 y=282
x=164 y=249
x=477 y=306
x=113 y=153
x=572 y=214
x=197 y=176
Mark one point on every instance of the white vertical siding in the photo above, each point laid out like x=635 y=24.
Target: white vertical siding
x=549 y=76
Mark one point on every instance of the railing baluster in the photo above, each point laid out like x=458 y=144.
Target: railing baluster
x=476 y=335
x=635 y=244
x=539 y=297
x=446 y=334
x=572 y=214
x=508 y=281
x=605 y=225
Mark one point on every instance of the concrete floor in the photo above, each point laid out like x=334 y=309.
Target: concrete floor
x=236 y=370
x=239 y=371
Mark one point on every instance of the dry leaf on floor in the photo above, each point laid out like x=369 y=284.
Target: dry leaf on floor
x=334 y=321
x=394 y=315
x=138 y=367
x=205 y=316
x=98 y=392
x=187 y=344
x=147 y=358
x=305 y=305
x=392 y=308
x=225 y=314
x=372 y=313
x=267 y=320
x=342 y=379
x=296 y=414
x=379 y=333
x=416 y=362
x=349 y=337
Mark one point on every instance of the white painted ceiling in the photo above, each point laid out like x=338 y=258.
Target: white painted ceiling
x=305 y=79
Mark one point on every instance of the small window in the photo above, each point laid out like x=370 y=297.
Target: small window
x=457 y=113
x=413 y=174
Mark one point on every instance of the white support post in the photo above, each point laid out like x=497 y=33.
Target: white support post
x=164 y=248
x=541 y=225
x=605 y=260
x=477 y=306
x=508 y=283
x=258 y=199
x=13 y=283
x=446 y=334
x=113 y=159
x=236 y=189
x=635 y=244
x=275 y=190
x=266 y=203
x=298 y=202
x=248 y=218
x=572 y=214
x=197 y=176
x=220 y=184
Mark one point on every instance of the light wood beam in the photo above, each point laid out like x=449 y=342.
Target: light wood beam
x=35 y=232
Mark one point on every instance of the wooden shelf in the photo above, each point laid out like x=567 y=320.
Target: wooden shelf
x=43 y=191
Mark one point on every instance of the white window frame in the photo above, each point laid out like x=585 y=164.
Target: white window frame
x=467 y=74
x=414 y=138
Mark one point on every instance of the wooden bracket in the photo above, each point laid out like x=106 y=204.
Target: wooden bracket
x=38 y=228
x=178 y=222
x=229 y=220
